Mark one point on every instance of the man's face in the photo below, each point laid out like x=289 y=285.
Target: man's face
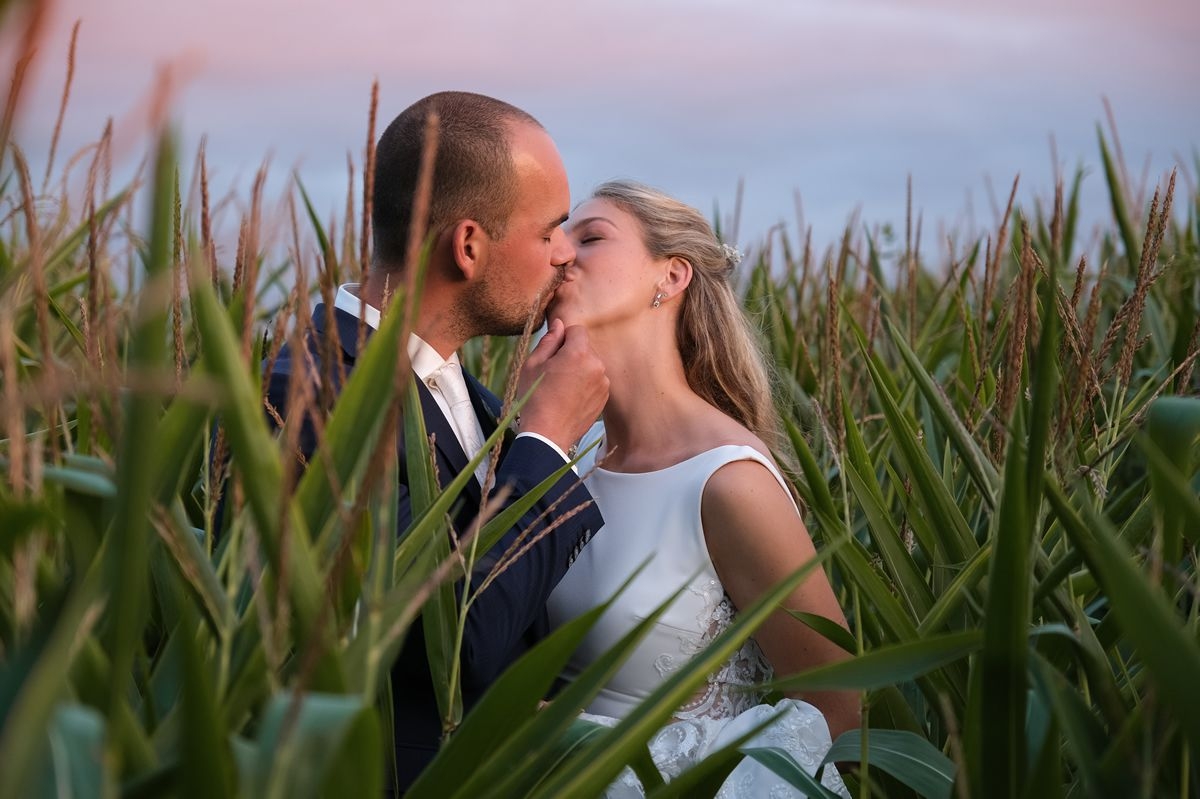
x=525 y=264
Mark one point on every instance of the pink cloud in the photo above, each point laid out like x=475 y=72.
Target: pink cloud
x=715 y=88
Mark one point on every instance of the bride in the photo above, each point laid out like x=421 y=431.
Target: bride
x=684 y=474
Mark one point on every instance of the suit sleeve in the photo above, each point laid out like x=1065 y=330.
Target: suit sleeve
x=561 y=522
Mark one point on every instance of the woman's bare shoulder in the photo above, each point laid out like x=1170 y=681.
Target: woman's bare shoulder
x=716 y=429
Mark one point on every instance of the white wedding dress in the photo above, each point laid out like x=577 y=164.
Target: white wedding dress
x=656 y=516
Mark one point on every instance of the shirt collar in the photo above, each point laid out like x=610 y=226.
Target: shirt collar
x=425 y=359
x=348 y=300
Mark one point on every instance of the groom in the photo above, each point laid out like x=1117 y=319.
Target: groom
x=498 y=201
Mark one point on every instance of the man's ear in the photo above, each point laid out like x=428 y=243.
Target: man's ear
x=468 y=248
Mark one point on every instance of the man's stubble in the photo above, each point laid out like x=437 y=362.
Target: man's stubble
x=493 y=307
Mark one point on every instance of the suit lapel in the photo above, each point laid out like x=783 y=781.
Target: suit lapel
x=451 y=459
x=445 y=442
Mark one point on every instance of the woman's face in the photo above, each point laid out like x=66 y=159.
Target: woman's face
x=613 y=278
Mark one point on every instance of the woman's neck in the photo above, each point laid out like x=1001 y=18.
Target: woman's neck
x=650 y=404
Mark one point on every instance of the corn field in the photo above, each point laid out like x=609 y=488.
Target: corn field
x=997 y=445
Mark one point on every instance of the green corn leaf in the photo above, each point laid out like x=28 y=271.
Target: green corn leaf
x=578 y=735
x=1176 y=508
x=68 y=324
x=1044 y=396
x=20 y=518
x=536 y=740
x=1045 y=771
x=258 y=457
x=861 y=478
x=89 y=677
x=313 y=745
x=163 y=689
x=876 y=267
x=431 y=518
x=886 y=665
x=439 y=617
x=502 y=522
x=81 y=481
x=40 y=685
x=890 y=710
x=958 y=591
x=248 y=685
x=783 y=765
x=67 y=246
x=886 y=536
x=909 y=758
x=1071 y=220
x=207 y=767
x=816 y=486
x=827 y=628
x=353 y=427
x=129 y=535
x=1169 y=652
x=978 y=465
x=642 y=764
x=322 y=238
x=184 y=543
x=1003 y=662
x=1082 y=733
x=74 y=767
x=955 y=538
x=1004 y=658
x=180 y=436
x=1116 y=194
x=1173 y=424
x=854 y=557
x=365 y=674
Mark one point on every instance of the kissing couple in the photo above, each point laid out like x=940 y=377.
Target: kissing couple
x=645 y=333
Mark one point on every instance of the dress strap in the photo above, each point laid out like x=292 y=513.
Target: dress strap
x=731 y=453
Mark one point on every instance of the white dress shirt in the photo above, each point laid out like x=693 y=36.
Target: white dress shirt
x=426 y=363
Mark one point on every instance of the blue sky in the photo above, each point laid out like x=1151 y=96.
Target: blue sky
x=835 y=102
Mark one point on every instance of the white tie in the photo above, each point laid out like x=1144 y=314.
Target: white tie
x=449 y=381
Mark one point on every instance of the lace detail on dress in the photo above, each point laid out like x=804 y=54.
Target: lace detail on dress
x=726 y=692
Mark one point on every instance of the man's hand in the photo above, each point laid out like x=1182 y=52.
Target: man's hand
x=573 y=386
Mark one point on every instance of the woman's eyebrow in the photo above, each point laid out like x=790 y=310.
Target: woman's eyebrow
x=585 y=220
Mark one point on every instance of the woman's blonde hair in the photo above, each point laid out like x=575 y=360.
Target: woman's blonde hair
x=722 y=357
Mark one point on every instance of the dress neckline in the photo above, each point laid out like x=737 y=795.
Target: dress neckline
x=601 y=449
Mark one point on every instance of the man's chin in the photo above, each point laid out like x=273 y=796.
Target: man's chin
x=532 y=321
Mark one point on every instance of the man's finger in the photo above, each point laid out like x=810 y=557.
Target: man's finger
x=549 y=343
x=576 y=336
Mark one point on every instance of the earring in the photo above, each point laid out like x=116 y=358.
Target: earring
x=658 y=298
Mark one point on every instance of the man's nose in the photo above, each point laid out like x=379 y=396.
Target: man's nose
x=562 y=251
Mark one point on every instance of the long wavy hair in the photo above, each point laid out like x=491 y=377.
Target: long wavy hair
x=722 y=357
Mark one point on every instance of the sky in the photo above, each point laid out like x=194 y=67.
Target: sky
x=838 y=104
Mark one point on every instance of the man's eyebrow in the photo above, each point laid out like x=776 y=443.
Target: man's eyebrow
x=557 y=222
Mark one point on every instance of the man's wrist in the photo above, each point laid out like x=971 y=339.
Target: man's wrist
x=567 y=456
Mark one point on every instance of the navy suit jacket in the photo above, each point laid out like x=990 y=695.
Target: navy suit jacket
x=511 y=615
